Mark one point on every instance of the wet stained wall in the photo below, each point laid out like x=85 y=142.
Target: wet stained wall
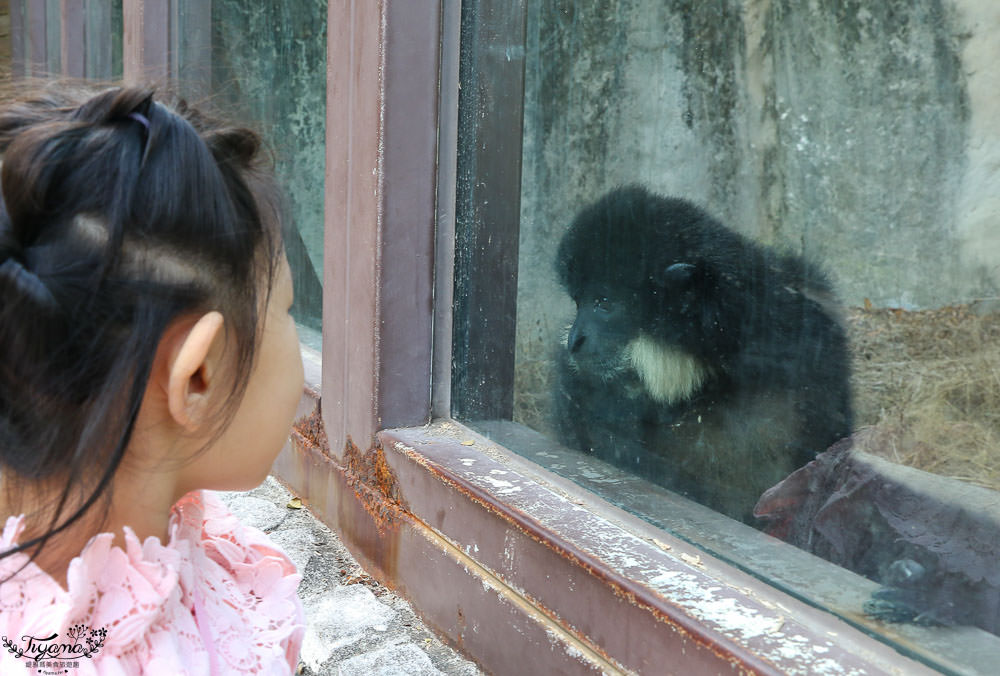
x=856 y=133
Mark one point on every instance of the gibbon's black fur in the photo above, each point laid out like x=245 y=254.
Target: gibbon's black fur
x=699 y=359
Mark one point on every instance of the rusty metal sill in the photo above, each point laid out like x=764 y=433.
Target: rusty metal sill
x=513 y=572
x=651 y=509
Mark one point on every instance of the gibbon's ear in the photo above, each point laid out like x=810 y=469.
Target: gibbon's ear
x=195 y=370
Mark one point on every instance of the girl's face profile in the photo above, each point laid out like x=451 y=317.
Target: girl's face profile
x=242 y=456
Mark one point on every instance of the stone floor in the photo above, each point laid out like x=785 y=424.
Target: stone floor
x=355 y=626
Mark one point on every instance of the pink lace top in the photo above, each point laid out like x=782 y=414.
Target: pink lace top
x=218 y=598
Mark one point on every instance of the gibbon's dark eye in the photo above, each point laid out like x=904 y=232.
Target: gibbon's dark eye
x=603 y=303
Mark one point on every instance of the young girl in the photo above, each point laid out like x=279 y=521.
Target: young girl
x=146 y=352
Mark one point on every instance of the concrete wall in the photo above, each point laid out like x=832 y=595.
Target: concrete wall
x=864 y=135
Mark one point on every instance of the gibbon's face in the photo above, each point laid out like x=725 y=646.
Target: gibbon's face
x=604 y=325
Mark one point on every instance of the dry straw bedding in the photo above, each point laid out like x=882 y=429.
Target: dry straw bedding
x=929 y=383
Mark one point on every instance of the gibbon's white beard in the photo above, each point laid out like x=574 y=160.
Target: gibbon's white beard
x=668 y=373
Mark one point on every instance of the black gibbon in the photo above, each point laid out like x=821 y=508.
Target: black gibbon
x=698 y=358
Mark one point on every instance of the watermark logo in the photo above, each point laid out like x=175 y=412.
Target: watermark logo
x=48 y=652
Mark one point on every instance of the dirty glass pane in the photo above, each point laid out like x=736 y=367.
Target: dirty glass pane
x=744 y=256
x=269 y=64
x=96 y=25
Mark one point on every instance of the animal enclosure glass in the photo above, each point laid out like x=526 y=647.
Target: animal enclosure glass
x=269 y=64
x=744 y=256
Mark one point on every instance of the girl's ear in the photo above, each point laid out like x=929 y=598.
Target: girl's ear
x=195 y=370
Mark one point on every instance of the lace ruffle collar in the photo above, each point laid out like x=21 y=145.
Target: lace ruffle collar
x=217 y=598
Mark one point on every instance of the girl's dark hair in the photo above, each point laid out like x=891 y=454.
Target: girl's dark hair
x=119 y=214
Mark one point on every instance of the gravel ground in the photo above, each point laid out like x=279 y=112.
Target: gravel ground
x=355 y=626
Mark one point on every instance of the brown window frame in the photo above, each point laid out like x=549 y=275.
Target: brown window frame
x=511 y=563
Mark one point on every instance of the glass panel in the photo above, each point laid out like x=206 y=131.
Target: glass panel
x=38 y=39
x=756 y=267
x=97 y=27
x=269 y=61
x=104 y=54
x=53 y=45
x=7 y=39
